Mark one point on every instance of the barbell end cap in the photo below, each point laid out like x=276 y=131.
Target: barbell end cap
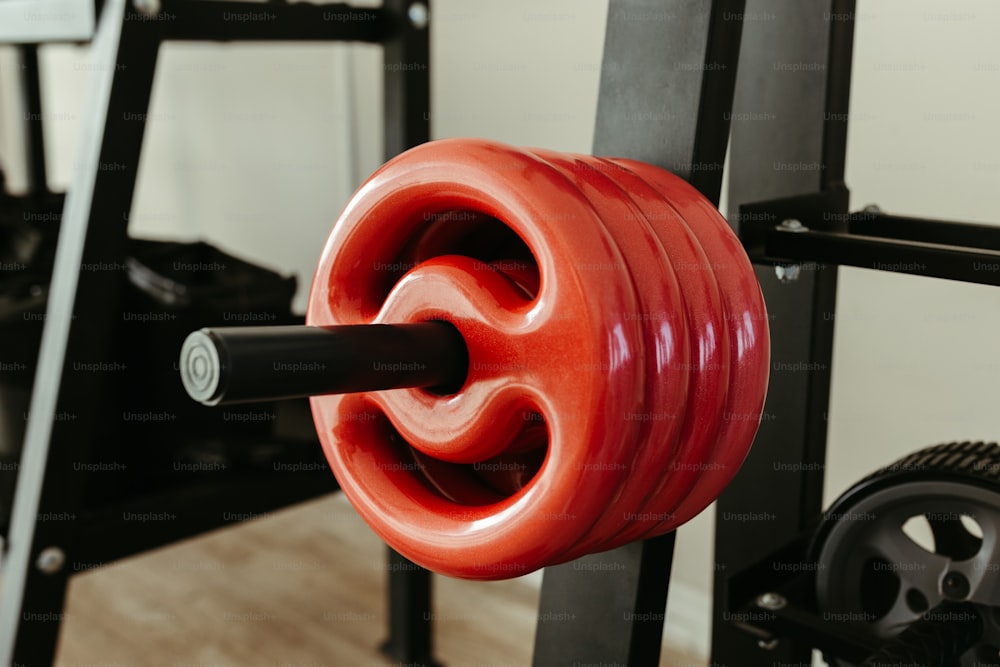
x=201 y=367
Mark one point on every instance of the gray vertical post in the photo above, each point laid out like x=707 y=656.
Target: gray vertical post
x=788 y=138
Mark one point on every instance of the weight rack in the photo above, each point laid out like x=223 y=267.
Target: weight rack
x=83 y=305
x=687 y=65
x=795 y=225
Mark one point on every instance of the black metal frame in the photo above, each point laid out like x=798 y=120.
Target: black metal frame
x=69 y=411
x=805 y=108
x=870 y=240
x=32 y=93
x=796 y=219
x=407 y=103
x=680 y=120
x=781 y=604
x=779 y=594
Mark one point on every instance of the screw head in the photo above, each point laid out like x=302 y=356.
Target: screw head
x=767 y=644
x=793 y=225
x=771 y=601
x=147 y=7
x=50 y=560
x=787 y=273
x=419 y=15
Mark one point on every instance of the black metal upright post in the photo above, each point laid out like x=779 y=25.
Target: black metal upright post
x=74 y=404
x=69 y=415
x=788 y=138
x=33 y=120
x=666 y=91
x=406 y=76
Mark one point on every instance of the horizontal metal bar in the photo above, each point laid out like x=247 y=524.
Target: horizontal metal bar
x=788 y=620
x=934 y=260
x=239 y=21
x=822 y=210
x=925 y=230
x=807 y=229
x=252 y=364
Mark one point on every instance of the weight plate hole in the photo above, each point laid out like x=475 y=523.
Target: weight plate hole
x=484 y=482
x=478 y=235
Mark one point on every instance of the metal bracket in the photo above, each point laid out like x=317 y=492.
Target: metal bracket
x=808 y=229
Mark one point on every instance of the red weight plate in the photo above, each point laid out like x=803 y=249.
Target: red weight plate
x=747 y=324
x=526 y=353
x=660 y=323
x=707 y=360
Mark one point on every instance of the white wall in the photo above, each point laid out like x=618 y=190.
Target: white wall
x=916 y=360
x=249 y=146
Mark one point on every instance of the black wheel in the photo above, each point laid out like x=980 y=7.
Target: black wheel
x=917 y=533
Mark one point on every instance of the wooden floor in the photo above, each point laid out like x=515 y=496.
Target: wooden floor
x=302 y=588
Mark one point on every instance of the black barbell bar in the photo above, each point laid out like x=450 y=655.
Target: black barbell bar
x=228 y=365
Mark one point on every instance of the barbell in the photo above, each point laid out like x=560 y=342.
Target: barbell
x=516 y=357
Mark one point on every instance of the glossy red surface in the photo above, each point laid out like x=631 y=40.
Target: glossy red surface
x=614 y=328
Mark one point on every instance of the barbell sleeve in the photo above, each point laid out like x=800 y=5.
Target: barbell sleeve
x=252 y=364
